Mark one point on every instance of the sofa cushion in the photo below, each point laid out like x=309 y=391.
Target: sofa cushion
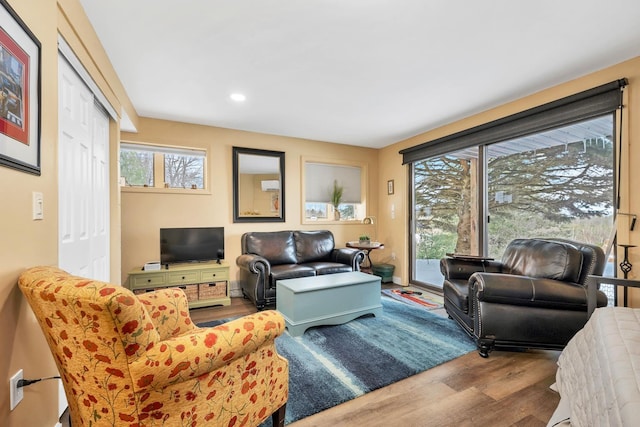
x=313 y=245
x=289 y=271
x=324 y=267
x=276 y=246
x=545 y=259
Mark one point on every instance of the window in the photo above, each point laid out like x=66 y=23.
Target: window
x=557 y=183
x=155 y=166
x=547 y=171
x=323 y=182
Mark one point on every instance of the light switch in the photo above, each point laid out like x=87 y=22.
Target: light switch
x=38 y=206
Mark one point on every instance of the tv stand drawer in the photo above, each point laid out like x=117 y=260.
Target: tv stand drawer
x=148 y=280
x=214 y=275
x=184 y=277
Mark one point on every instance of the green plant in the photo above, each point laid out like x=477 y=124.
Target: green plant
x=364 y=237
x=336 y=194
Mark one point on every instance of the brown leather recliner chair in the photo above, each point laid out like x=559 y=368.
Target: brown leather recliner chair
x=269 y=256
x=535 y=297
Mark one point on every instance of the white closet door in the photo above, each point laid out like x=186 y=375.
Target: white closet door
x=83 y=179
x=100 y=218
x=83 y=183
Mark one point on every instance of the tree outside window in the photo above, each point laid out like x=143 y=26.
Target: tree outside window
x=144 y=165
x=564 y=189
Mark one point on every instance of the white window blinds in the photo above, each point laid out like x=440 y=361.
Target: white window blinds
x=319 y=178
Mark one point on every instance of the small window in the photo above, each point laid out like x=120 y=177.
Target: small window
x=321 y=181
x=155 y=166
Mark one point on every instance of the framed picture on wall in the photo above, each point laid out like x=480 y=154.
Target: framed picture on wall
x=390 y=187
x=19 y=93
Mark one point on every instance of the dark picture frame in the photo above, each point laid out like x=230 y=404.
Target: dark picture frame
x=20 y=91
x=390 y=187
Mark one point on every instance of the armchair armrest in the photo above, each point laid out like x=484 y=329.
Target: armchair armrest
x=255 y=264
x=462 y=269
x=350 y=256
x=205 y=350
x=168 y=309
x=528 y=291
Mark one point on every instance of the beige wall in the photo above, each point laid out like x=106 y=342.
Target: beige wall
x=143 y=214
x=27 y=243
x=396 y=230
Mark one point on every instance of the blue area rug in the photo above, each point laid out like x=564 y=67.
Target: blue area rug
x=329 y=365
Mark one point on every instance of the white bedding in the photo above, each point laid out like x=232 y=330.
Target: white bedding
x=598 y=374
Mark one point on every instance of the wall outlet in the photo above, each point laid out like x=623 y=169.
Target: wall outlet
x=16 y=393
x=393 y=256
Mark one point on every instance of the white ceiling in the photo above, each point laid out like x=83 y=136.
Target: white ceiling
x=359 y=72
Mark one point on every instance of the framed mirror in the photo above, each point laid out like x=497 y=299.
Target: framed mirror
x=258 y=185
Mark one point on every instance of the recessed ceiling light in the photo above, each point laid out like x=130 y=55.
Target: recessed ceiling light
x=238 y=97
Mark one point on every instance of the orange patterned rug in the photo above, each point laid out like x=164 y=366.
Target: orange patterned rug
x=413 y=298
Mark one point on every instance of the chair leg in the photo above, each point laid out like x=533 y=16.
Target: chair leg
x=277 y=418
x=485 y=346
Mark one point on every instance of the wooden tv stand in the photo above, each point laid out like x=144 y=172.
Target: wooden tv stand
x=205 y=283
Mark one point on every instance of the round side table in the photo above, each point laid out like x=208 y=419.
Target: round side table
x=366 y=248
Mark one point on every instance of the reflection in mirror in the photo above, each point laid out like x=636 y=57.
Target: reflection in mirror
x=258 y=185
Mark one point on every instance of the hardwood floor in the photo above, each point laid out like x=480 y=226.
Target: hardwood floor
x=506 y=389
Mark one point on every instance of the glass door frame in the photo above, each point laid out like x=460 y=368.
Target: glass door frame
x=482 y=178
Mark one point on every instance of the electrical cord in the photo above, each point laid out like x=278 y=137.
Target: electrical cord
x=24 y=383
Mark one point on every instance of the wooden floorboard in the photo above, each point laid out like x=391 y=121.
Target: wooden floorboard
x=505 y=389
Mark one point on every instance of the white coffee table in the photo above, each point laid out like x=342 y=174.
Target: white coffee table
x=330 y=299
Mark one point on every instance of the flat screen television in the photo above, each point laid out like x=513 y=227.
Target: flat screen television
x=196 y=244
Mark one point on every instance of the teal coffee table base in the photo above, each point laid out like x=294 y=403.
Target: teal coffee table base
x=330 y=299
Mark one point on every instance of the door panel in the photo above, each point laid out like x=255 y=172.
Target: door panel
x=557 y=183
x=445 y=212
x=83 y=179
x=100 y=192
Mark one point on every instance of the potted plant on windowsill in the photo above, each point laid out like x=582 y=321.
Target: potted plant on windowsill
x=336 y=199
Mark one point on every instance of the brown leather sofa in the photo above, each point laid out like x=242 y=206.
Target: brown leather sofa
x=535 y=297
x=278 y=255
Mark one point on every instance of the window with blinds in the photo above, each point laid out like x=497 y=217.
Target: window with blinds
x=320 y=181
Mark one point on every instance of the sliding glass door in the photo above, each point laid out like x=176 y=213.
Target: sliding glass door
x=445 y=211
x=553 y=184
x=557 y=183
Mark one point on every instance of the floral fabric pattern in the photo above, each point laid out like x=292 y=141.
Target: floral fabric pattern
x=169 y=312
x=128 y=360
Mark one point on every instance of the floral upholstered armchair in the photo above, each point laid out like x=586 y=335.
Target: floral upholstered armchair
x=138 y=360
